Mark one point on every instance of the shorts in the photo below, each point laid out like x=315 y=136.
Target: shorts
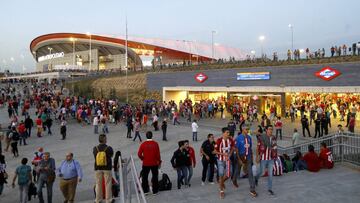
x=224 y=168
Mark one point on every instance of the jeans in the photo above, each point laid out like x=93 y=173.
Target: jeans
x=307 y=129
x=1 y=188
x=154 y=179
x=164 y=134
x=28 y=130
x=49 y=130
x=190 y=174
x=300 y=165
x=23 y=189
x=194 y=136
x=269 y=165
x=23 y=138
x=251 y=178
x=137 y=134
x=224 y=168
x=96 y=129
x=278 y=131
x=206 y=164
x=105 y=129
x=182 y=174
x=41 y=182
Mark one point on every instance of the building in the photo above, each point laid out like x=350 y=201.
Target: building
x=263 y=86
x=59 y=51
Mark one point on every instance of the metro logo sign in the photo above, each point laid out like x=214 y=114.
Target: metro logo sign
x=201 y=77
x=327 y=73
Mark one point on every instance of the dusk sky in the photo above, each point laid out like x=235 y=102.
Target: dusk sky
x=239 y=23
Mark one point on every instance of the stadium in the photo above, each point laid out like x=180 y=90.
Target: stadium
x=75 y=51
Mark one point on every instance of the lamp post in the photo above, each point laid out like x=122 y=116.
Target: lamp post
x=50 y=49
x=126 y=61
x=292 y=36
x=89 y=34
x=213 y=32
x=73 y=42
x=262 y=38
x=190 y=54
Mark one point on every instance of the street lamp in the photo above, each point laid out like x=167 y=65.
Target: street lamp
x=73 y=41
x=190 y=54
x=213 y=32
x=262 y=38
x=292 y=36
x=89 y=34
x=50 y=49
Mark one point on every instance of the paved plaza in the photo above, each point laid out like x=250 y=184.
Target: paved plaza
x=340 y=183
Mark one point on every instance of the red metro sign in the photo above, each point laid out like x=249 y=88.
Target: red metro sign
x=327 y=73
x=201 y=77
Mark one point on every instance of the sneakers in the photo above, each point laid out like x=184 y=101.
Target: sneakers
x=271 y=192
x=211 y=183
x=202 y=183
x=253 y=193
x=222 y=194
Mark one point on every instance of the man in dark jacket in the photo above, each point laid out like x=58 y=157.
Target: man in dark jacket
x=179 y=161
x=164 y=129
x=103 y=169
x=317 y=127
x=29 y=123
x=305 y=125
x=324 y=125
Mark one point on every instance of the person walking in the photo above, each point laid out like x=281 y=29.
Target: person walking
x=137 y=130
x=48 y=124
x=29 y=123
x=103 y=154
x=63 y=128
x=278 y=127
x=245 y=154
x=178 y=162
x=324 y=126
x=194 y=127
x=129 y=126
x=207 y=152
x=149 y=154
x=295 y=137
x=192 y=161
x=164 y=129
x=23 y=174
x=70 y=173
x=155 y=123
x=317 y=127
x=46 y=176
x=39 y=126
x=352 y=124
x=224 y=148
x=96 y=124
x=3 y=174
x=22 y=133
x=266 y=154
x=305 y=125
x=14 y=139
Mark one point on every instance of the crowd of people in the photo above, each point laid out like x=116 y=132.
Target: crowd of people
x=222 y=157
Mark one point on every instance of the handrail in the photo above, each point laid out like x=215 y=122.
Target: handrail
x=136 y=181
x=121 y=183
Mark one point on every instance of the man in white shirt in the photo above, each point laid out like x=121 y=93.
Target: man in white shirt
x=296 y=137
x=96 y=124
x=194 y=127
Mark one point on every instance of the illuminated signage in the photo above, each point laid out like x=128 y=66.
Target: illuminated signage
x=201 y=77
x=327 y=73
x=253 y=76
x=51 y=56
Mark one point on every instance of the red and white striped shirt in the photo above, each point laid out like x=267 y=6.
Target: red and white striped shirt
x=267 y=154
x=224 y=146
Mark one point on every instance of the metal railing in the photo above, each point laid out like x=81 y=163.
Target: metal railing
x=345 y=147
x=130 y=186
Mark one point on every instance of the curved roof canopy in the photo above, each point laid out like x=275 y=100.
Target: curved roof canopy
x=115 y=45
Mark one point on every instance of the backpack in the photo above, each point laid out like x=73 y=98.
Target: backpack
x=15 y=136
x=101 y=157
x=23 y=174
x=165 y=183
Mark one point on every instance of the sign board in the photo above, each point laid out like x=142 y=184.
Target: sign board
x=253 y=76
x=201 y=77
x=327 y=73
x=51 y=56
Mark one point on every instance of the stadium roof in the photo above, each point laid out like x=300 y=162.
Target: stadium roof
x=60 y=42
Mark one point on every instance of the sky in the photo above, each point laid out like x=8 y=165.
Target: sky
x=238 y=23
